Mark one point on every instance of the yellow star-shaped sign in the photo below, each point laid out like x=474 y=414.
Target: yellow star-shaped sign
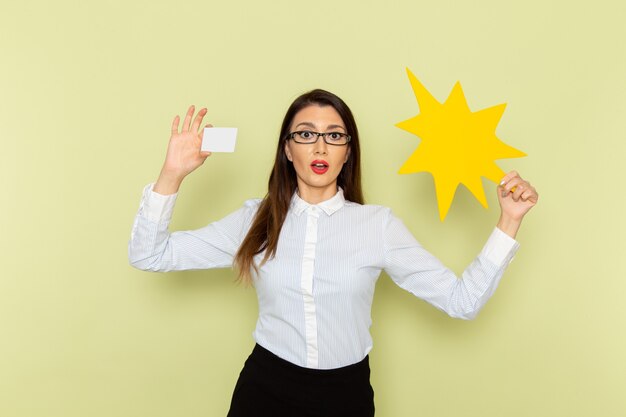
x=457 y=146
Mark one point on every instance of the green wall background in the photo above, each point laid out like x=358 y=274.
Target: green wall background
x=88 y=91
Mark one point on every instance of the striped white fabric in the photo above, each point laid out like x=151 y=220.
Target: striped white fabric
x=315 y=296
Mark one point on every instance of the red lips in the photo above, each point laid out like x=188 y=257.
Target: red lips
x=319 y=166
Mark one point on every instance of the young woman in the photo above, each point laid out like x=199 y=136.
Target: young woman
x=313 y=251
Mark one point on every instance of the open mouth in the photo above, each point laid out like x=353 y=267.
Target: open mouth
x=319 y=166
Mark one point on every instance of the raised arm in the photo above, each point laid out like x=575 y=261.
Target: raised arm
x=417 y=271
x=152 y=247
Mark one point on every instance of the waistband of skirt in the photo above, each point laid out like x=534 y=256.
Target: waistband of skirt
x=262 y=356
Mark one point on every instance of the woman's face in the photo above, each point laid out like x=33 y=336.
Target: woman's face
x=317 y=165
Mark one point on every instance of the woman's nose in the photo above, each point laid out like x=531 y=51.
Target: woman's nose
x=321 y=147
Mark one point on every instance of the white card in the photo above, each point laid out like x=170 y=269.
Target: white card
x=219 y=139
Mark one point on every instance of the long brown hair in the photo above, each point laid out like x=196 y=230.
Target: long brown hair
x=268 y=221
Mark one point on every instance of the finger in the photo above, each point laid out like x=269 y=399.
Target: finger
x=526 y=195
x=510 y=182
x=202 y=133
x=519 y=190
x=504 y=192
x=513 y=183
x=188 y=117
x=509 y=187
x=508 y=177
x=506 y=185
x=175 y=125
x=530 y=195
x=196 y=122
x=528 y=191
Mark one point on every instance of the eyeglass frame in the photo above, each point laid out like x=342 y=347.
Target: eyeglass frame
x=292 y=136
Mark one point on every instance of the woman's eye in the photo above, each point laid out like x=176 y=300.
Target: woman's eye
x=306 y=135
x=335 y=135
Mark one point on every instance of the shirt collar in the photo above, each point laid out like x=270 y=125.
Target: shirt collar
x=329 y=206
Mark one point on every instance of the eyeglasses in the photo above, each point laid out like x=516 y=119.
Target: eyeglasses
x=309 y=137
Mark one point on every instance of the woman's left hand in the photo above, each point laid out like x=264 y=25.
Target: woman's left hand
x=515 y=204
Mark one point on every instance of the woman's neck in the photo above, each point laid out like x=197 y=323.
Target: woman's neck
x=316 y=195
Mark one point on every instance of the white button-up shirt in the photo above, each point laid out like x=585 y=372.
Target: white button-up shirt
x=315 y=295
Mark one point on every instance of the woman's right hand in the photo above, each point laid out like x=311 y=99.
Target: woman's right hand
x=183 y=152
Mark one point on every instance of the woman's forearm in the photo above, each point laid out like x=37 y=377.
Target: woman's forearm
x=509 y=225
x=167 y=183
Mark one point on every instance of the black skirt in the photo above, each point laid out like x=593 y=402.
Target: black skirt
x=269 y=386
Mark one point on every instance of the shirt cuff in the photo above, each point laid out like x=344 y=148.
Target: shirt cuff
x=156 y=207
x=500 y=248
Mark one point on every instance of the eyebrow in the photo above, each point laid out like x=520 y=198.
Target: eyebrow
x=312 y=126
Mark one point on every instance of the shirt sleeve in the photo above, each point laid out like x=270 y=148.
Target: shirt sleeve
x=153 y=248
x=413 y=268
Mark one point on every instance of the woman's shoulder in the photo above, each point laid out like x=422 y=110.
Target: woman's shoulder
x=249 y=208
x=370 y=209
x=252 y=203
